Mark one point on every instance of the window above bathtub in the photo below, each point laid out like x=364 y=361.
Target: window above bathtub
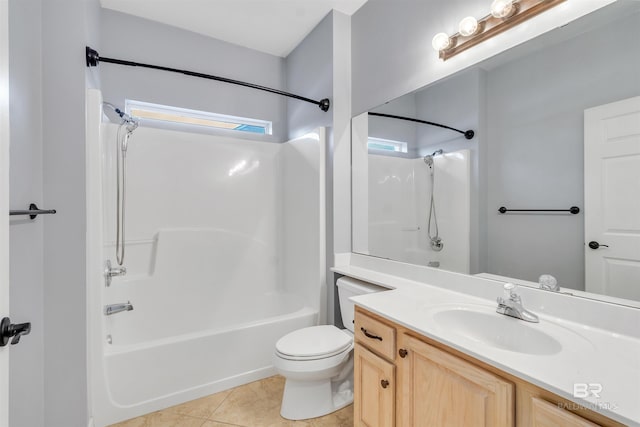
x=388 y=145
x=180 y=117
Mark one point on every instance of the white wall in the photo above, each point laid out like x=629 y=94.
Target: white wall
x=303 y=217
x=128 y=37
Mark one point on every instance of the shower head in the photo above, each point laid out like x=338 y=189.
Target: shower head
x=428 y=159
x=131 y=123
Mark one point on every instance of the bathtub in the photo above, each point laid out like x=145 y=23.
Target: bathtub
x=146 y=376
x=223 y=258
x=202 y=321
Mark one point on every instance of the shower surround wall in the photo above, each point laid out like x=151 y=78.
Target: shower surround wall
x=398 y=209
x=224 y=256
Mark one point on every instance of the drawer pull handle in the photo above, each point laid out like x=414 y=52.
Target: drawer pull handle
x=403 y=353
x=368 y=335
x=384 y=383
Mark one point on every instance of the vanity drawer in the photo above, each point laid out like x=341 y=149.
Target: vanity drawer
x=377 y=336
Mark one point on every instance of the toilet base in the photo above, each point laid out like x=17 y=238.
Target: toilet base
x=311 y=399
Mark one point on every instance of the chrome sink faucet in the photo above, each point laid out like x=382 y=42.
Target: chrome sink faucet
x=548 y=283
x=511 y=305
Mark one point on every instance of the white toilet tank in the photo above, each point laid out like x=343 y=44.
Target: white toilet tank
x=347 y=288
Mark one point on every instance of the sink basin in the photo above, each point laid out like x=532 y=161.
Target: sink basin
x=482 y=325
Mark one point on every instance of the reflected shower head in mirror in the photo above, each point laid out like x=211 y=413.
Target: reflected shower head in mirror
x=428 y=159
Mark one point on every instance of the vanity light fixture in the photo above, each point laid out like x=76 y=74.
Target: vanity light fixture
x=502 y=8
x=504 y=15
x=468 y=26
x=441 y=41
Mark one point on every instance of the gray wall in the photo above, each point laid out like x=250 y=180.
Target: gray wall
x=527 y=108
x=391 y=44
x=536 y=146
x=67 y=26
x=26 y=400
x=321 y=67
x=309 y=72
x=48 y=377
x=137 y=39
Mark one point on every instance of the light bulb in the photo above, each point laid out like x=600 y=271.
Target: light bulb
x=468 y=26
x=501 y=8
x=441 y=41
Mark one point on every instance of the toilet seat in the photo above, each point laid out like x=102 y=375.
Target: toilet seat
x=314 y=343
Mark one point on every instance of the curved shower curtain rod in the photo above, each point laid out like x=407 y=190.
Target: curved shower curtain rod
x=467 y=134
x=93 y=59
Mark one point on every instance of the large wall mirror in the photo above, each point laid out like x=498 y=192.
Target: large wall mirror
x=557 y=126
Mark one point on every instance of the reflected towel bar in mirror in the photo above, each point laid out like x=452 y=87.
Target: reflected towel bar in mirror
x=573 y=210
x=33 y=211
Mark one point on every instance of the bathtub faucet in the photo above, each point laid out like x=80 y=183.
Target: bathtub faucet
x=117 y=308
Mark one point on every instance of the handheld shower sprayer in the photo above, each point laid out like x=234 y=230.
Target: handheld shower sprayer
x=434 y=238
x=127 y=125
x=130 y=122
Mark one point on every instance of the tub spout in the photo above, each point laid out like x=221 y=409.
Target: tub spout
x=117 y=308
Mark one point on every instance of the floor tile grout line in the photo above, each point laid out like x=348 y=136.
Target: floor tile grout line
x=222 y=401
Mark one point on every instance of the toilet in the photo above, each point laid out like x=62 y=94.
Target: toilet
x=317 y=362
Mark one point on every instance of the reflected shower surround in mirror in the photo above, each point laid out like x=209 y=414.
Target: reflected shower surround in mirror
x=504 y=15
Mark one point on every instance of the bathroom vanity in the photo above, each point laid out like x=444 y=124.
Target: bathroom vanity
x=403 y=378
x=426 y=355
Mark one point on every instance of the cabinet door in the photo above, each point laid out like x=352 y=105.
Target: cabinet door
x=374 y=390
x=545 y=414
x=436 y=388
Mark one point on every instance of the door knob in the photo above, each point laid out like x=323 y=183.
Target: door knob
x=10 y=330
x=384 y=383
x=595 y=245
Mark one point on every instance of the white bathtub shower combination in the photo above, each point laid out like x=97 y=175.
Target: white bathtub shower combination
x=224 y=256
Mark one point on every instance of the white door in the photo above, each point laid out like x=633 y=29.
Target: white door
x=4 y=205
x=612 y=198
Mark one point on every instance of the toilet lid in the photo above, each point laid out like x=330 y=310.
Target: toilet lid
x=325 y=340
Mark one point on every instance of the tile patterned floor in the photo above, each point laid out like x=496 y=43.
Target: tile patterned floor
x=252 y=405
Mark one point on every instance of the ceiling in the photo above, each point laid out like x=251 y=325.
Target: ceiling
x=272 y=26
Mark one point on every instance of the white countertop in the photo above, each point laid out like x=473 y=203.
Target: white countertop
x=588 y=355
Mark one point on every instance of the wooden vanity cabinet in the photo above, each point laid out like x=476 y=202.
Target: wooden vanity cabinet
x=403 y=379
x=436 y=388
x=375 y=393
x=545 y=414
